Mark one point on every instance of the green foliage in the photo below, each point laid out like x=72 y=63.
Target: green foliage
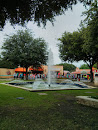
x=4 y=64
x=73 y=47
x=40 y=11
x=69 y=67
x=22 y=49
x=84 y=66
x=83 y=44
x=90 y=31
x=95 y=65
x=70 y=46
x=7 y=64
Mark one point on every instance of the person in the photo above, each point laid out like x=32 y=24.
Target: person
x=85 y=76
x=15 y=75
x=24 y=75
x=38 y=75
x=78 y=78
x=88 y=77
x=20 y=75
x=43 y=76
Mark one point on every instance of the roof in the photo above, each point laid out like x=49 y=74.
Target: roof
x=65 y=71
x=81 y=71
x=76 y=72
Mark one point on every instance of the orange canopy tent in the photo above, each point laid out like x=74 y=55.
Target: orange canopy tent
x=20 y=69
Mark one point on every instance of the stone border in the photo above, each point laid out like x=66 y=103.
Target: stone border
x=15 y=86
x=39 y=90
x=87 y=100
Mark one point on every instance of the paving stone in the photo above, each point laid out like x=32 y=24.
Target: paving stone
x=42 y=94
x=20 y=98
x=89 y=92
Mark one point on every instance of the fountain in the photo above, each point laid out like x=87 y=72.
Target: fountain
x=50 y=66
x=39 y=84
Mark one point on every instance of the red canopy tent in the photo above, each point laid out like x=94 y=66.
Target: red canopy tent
x=36 y=69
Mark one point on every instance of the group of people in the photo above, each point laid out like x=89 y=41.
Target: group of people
x=18 y=75
x=35 y=76
x=30 y=76
x=86 y=77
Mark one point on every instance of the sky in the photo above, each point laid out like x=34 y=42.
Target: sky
x=68 y=22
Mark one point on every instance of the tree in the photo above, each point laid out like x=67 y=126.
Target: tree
x=69 y=67
x=84 y=66
x=83 y=44
x=4 y=64
x=70 y=46
x=40 y=11
x=72 y=49
x=90 y=29
x=90 y=35
x=95 y=65
x=22 y=49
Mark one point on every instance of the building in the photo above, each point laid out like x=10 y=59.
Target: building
x=42 y=70
x=6 y=73
x=58 y=69
x=81 y=73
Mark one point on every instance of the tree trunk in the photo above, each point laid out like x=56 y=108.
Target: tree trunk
x=26 y=73
x=91 y=74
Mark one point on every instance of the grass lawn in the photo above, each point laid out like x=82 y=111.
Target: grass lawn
x=58 y=110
